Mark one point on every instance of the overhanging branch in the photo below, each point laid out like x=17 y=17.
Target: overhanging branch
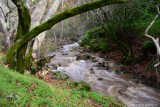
x=54 y=20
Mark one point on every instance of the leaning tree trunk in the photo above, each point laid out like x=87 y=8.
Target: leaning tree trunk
x=24 y=39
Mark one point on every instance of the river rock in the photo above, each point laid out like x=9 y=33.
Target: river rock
x=59 y=75
x=52 y=66
x=103 y=66
x=94 y=60
x=100 y=79
x=64 y=53
x=84 y=57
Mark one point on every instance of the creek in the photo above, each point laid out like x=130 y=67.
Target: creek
x=101 y=74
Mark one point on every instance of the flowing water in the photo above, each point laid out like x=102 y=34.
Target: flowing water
x=100 y=74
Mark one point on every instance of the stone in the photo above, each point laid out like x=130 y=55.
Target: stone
x=64 y=53
x=103 y=66
x=100 y=79
x=52 y=66
x=59 y=75
x=84 y=57
x=12 y=96
x=94 y=60
x=81 y=51
x=92 y=71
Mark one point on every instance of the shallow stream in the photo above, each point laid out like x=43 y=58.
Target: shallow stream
x=101 y=74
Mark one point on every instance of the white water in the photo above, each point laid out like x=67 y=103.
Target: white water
x=103 y=81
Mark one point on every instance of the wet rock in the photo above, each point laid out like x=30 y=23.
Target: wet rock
x=102 y=66
x=120 y=71
x=64 y=53
x=83 y=57
x=106 y=66
x=86 y=57
x=52 y=66
x=92 y=72
x=81 y=51
x=59 y=75
x=78 y=57
x=100 y=79
x=91 y=69
x=93 y=59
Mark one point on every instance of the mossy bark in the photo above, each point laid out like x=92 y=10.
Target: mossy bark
x=17 y=61
x=23 y=40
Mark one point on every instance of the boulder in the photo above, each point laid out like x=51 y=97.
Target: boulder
x=59 y=75
x=100 y=79
x=84 y=57
x=52 y=66
x=103 y=66
x=64 y=53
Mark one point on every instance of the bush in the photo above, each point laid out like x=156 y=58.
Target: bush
x=80 y=85
x=96 y=39
x=84 y=86
x=148 y=48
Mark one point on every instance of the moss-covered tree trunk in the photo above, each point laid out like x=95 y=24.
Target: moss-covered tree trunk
x=23 y=28
x=26 y=37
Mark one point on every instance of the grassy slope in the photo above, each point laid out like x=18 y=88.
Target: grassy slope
x=33 y=92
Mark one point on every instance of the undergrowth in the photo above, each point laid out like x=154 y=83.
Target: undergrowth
x=18 y=90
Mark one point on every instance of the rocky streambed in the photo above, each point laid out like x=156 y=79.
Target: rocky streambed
x=104 y=76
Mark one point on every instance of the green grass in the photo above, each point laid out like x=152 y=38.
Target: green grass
x=33 y=92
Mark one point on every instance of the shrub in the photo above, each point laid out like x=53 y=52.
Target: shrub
x=148 y=48
x=95 y=38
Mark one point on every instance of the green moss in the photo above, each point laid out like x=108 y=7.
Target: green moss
x=84 y=86
x=73 y=84
x=59 y=75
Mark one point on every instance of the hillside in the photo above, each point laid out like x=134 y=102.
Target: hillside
x=23 y=91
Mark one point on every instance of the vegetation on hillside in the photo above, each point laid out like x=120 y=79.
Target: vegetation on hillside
x=25 y=90
x=123 y=31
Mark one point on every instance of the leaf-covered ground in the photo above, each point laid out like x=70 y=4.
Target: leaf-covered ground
x=18 y=90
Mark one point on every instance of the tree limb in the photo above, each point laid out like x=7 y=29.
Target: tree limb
x=155 y=40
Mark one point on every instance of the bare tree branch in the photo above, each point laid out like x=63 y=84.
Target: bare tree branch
x=155 y=40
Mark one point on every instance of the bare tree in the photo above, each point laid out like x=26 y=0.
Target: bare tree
x=155 y=40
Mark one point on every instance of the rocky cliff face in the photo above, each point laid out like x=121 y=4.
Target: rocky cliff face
x=41 y=10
